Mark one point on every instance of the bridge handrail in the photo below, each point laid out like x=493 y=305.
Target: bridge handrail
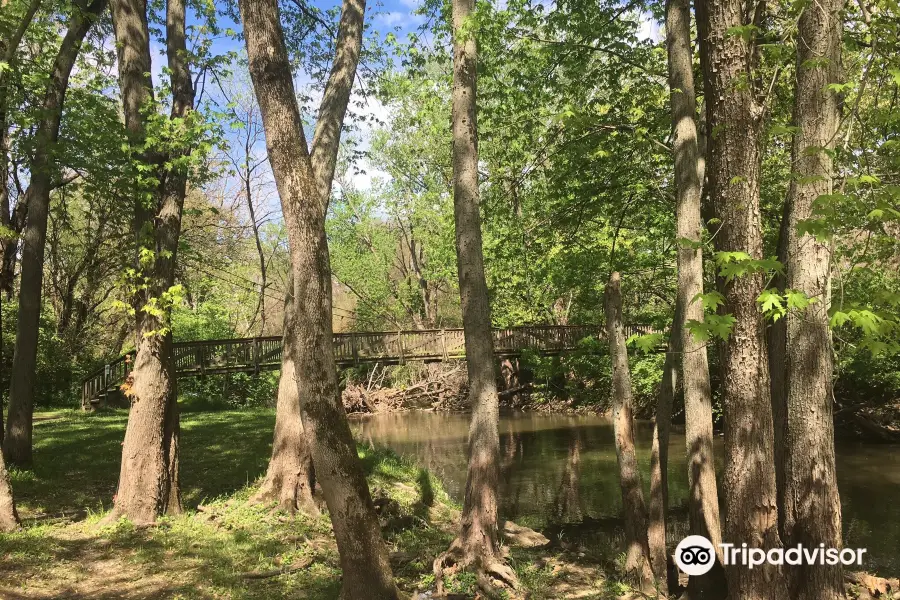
x=387 y=345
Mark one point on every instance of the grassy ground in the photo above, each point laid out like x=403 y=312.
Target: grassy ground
x=224 y=547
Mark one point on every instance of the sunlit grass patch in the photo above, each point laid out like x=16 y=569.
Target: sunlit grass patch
x=222 y=547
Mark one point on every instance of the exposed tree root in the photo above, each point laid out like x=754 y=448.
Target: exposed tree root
x=291 y=497
x=494 y=576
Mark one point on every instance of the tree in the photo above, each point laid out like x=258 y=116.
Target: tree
x=300 y=178
x=290 y=477
x=249 y=168
x=478 y=543
x=735 y=119
x=44 y=172
x=658 y=506
x=9 y=518
x=637 y=557
x=703 y=499
x=12 y=221
x=148 y=479
x=812 y=505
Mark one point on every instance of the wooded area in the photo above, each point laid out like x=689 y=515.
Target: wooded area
x=221 y=189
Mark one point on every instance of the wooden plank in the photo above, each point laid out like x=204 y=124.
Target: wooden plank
x=429 y=345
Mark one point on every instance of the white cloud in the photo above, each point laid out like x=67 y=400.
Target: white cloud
x=650 y=29
x=393 y=18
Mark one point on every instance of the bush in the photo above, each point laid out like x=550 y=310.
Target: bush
x=584 y=376
x=229 y=391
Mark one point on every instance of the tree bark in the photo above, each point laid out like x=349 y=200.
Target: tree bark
x=812 y=505
x=659 y=458
x=290 y=478
x=9 y=518
x=478 y=543
x=733 y=170
x=637 y=563
x=17 y=442
x=364 y=558
x=148 y=478
x=9 y=47
x=703 y=498
x=260 y=254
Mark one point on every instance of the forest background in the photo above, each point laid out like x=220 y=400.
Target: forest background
x=575 y=139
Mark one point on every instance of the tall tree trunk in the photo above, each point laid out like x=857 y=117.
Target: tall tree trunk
x=290 y=478
x=733 y=170
x=776 y=334
x=291 y=475
x=261 y=255
x=17 y=442
x=812 y=505
x=148 y=478
x=478 y=543
x=637 y=558
x=11 y=219
x=703 y=498
x=364 y=557
x=9 y=518
x=659 y=458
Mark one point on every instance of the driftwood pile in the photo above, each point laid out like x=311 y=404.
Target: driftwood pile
x=867 y=587
x=874 y=423
x=441 y=386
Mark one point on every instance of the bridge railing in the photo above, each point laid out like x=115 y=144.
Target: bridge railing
x=209 y=357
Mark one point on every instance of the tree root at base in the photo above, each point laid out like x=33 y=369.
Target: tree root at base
x=291 y=503
x=493 y=574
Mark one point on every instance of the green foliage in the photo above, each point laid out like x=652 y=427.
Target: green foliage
x=59 y=368
x=229 y=391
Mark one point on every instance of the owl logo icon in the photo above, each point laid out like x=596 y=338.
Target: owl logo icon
x=695 y=555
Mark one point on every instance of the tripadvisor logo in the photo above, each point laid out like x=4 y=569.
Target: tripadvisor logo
x=695 y=555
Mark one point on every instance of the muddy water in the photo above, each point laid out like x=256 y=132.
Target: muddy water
x=558 y=472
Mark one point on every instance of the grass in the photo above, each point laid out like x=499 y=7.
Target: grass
x=208 y=553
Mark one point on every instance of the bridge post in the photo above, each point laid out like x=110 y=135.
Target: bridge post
x=444 y=354
x=201 y=358
x=353 y=349
x=256 y=356
x=400 y=346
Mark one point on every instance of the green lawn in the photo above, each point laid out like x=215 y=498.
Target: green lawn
x=63 y=552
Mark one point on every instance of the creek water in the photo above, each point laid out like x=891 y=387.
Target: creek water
x=558 y=473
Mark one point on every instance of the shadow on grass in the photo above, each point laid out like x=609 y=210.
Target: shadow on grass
x=77 y=458
x=184 y=557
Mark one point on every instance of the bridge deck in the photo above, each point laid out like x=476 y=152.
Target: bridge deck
x=252 y=355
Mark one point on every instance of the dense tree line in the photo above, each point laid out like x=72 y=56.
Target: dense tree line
x=734 y=181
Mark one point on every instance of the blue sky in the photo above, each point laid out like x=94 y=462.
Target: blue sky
x=383 y=17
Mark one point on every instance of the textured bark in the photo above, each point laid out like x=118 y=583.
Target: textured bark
x=703 y=499
x=733 y=171
x=12 y=219
x=812 y=506
x=43 y=171
x=478 y=543
x=290 y=478
x=148 y=478
x=776 y=338
x=9 y=518
x=637 y=563
x=658 y=507
x=364 y=558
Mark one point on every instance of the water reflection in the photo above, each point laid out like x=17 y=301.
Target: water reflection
x=559 y=472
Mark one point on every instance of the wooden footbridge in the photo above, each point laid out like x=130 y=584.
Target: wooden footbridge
x=252 y=355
